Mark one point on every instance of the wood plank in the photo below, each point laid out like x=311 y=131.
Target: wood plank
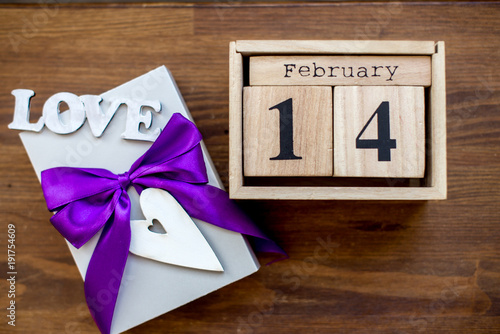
x=235 y=119
x=249 y=47
x=340 y=70
x=438 y=123
x=337 y=193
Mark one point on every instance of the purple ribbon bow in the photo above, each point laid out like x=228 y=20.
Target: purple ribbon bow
x=90 y=199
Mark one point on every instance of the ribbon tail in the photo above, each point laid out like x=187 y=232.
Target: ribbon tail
x=106 y=267
x=218 y=209
x=213 y=205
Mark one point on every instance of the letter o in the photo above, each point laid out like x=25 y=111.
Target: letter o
x=84 y=148
x=372 y=28
x=139 y=93
x=436 y=306
x=310 y=264
x=255 y=318
x=40 y=18
x=72 y=119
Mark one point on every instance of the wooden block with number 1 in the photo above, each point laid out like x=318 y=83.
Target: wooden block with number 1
x=379 y=131
x=287 y=131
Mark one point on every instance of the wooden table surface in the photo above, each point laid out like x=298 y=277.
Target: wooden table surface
x=390 y=267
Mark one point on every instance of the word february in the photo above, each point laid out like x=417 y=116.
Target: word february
x=347 y=72
x=340 y=70
x=99 y=114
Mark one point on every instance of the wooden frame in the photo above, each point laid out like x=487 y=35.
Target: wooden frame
x=434 y=185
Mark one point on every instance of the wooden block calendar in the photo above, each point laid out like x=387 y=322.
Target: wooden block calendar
x=337 y=120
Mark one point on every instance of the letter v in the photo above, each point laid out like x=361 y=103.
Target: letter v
x=98 y=120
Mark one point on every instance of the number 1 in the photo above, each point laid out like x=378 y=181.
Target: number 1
x=286 y=131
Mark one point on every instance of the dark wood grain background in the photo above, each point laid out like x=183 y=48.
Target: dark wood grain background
x=389 y=267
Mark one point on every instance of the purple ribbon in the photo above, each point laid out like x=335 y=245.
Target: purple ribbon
x=90 y=199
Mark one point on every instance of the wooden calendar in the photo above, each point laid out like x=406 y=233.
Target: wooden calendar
x=337 y=120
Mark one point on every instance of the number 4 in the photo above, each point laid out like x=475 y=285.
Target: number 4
x=383 y=143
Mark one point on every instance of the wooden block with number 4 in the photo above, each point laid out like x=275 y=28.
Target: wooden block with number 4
x=379 y=131
x=287 y=131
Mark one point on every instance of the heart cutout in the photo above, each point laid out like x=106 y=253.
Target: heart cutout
x=157 y=227
x=183 y=245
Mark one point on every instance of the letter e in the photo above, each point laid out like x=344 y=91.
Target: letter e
x=136 y=116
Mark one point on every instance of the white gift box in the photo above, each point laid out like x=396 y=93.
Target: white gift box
x=169 y=286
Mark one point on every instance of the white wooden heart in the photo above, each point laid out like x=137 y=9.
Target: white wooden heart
x=181 y=245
